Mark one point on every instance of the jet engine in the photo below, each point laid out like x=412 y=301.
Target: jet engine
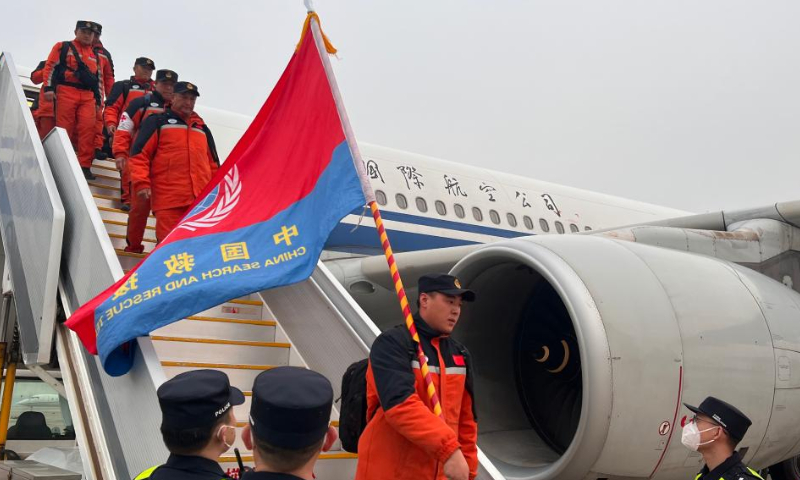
x=586 y=348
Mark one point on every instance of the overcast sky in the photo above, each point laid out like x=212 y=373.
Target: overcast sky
x=684 y=103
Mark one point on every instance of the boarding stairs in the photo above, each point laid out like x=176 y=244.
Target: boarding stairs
x=313 y=324
x=241 y=337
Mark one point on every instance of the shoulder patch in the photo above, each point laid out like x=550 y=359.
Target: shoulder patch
x=153 y=104
x=135 y=87
x=172 y=120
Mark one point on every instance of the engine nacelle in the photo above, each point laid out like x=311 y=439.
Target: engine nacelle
x=587 y=347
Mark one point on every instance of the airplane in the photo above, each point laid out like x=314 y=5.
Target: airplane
x=597 y=317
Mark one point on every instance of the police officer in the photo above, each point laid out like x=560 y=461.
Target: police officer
x=197 y=425
x=289 y=423
x=714 y=431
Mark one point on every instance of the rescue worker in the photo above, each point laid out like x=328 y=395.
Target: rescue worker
x=43 y=114
x=139 y=110
x=173 y=159
x=197 y=425
x=102 y=147
x=404 y=439
x=715 y=430
x=122 y=93
x=289 y=423
x=72 y=80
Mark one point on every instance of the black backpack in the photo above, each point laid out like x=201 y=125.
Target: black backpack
x=353 y=411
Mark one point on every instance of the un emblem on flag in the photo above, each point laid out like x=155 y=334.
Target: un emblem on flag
x=215 y=208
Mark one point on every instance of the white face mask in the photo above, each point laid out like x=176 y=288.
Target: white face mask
x=222 y=429
x=690 y=437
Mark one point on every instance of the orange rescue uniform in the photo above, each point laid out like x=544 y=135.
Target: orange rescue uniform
x=76 y=107
x=107 y=79
x=139 y=110
x=175 y=158
x=404 y=439
x=44 y=116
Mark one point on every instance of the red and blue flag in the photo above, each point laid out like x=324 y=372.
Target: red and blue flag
x=261 y=223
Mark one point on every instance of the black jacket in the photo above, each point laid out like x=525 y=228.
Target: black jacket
x=730 y=469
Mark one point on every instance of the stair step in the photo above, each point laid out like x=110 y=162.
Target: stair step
x=106 y=180
x=105 y=169
x=221 y=328
x=123 y=237
x=102 y=200
x=120 y=212
x=116 y=226
x=111 y=164
x=241 y=376
x=213 y=350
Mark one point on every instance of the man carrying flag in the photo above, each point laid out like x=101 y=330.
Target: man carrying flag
x=260 y=223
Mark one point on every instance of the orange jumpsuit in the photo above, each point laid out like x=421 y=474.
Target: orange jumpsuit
x=139 y=110
x=107 y=78
x=76 y=108
x=121 y=96
x=44 y=116
x=175 y=159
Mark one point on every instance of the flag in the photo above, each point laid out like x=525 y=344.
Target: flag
x=260 y=223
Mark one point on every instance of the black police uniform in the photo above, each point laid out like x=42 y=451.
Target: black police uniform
x=736 y=424
x=290 y=409
x=194 y=399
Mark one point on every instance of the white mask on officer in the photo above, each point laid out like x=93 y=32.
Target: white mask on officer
x=223 y=429
x=690 y=437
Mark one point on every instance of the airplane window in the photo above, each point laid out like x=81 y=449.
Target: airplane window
x=573 y=228
x=559 y=227
x=422 y=205
x=440 y=208
x=380 y=197
x=401 y=201
x=588 y=228
x=512 y=220
x=528 y=221
x=544 y=225
x=459 y=210
x=494 y=216
x=476 y=212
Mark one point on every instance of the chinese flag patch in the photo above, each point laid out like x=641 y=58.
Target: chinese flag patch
x=459 y=359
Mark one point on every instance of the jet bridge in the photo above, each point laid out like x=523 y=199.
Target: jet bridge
x=314 y=324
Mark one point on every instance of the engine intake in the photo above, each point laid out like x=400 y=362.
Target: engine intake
x=586 y=348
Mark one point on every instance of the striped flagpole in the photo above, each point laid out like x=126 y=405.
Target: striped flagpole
x=324 y=47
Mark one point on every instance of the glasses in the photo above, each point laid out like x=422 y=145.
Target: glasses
x=695 y=419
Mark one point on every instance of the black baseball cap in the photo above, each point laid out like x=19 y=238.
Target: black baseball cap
x=291 y=407
x=186 y=87
x=726 y=415
x=197 y=399
x=145 y=62
x=165 y=74
x=98 y=29
x=444 y=283
x=86 y=25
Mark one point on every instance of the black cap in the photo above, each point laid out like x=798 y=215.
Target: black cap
x=186 y=87
x=98 y=29
x=444 y=283
x=291 y=407
x=165 y=74
x=197 y=399
x=725 y=414
x=145 y=62
x=85 y=24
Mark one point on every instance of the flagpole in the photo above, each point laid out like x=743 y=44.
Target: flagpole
x=350 y=137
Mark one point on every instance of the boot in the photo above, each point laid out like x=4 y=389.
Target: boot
x=87 y=173
x=132 y=249
x=100 y=155
x=126 y=207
